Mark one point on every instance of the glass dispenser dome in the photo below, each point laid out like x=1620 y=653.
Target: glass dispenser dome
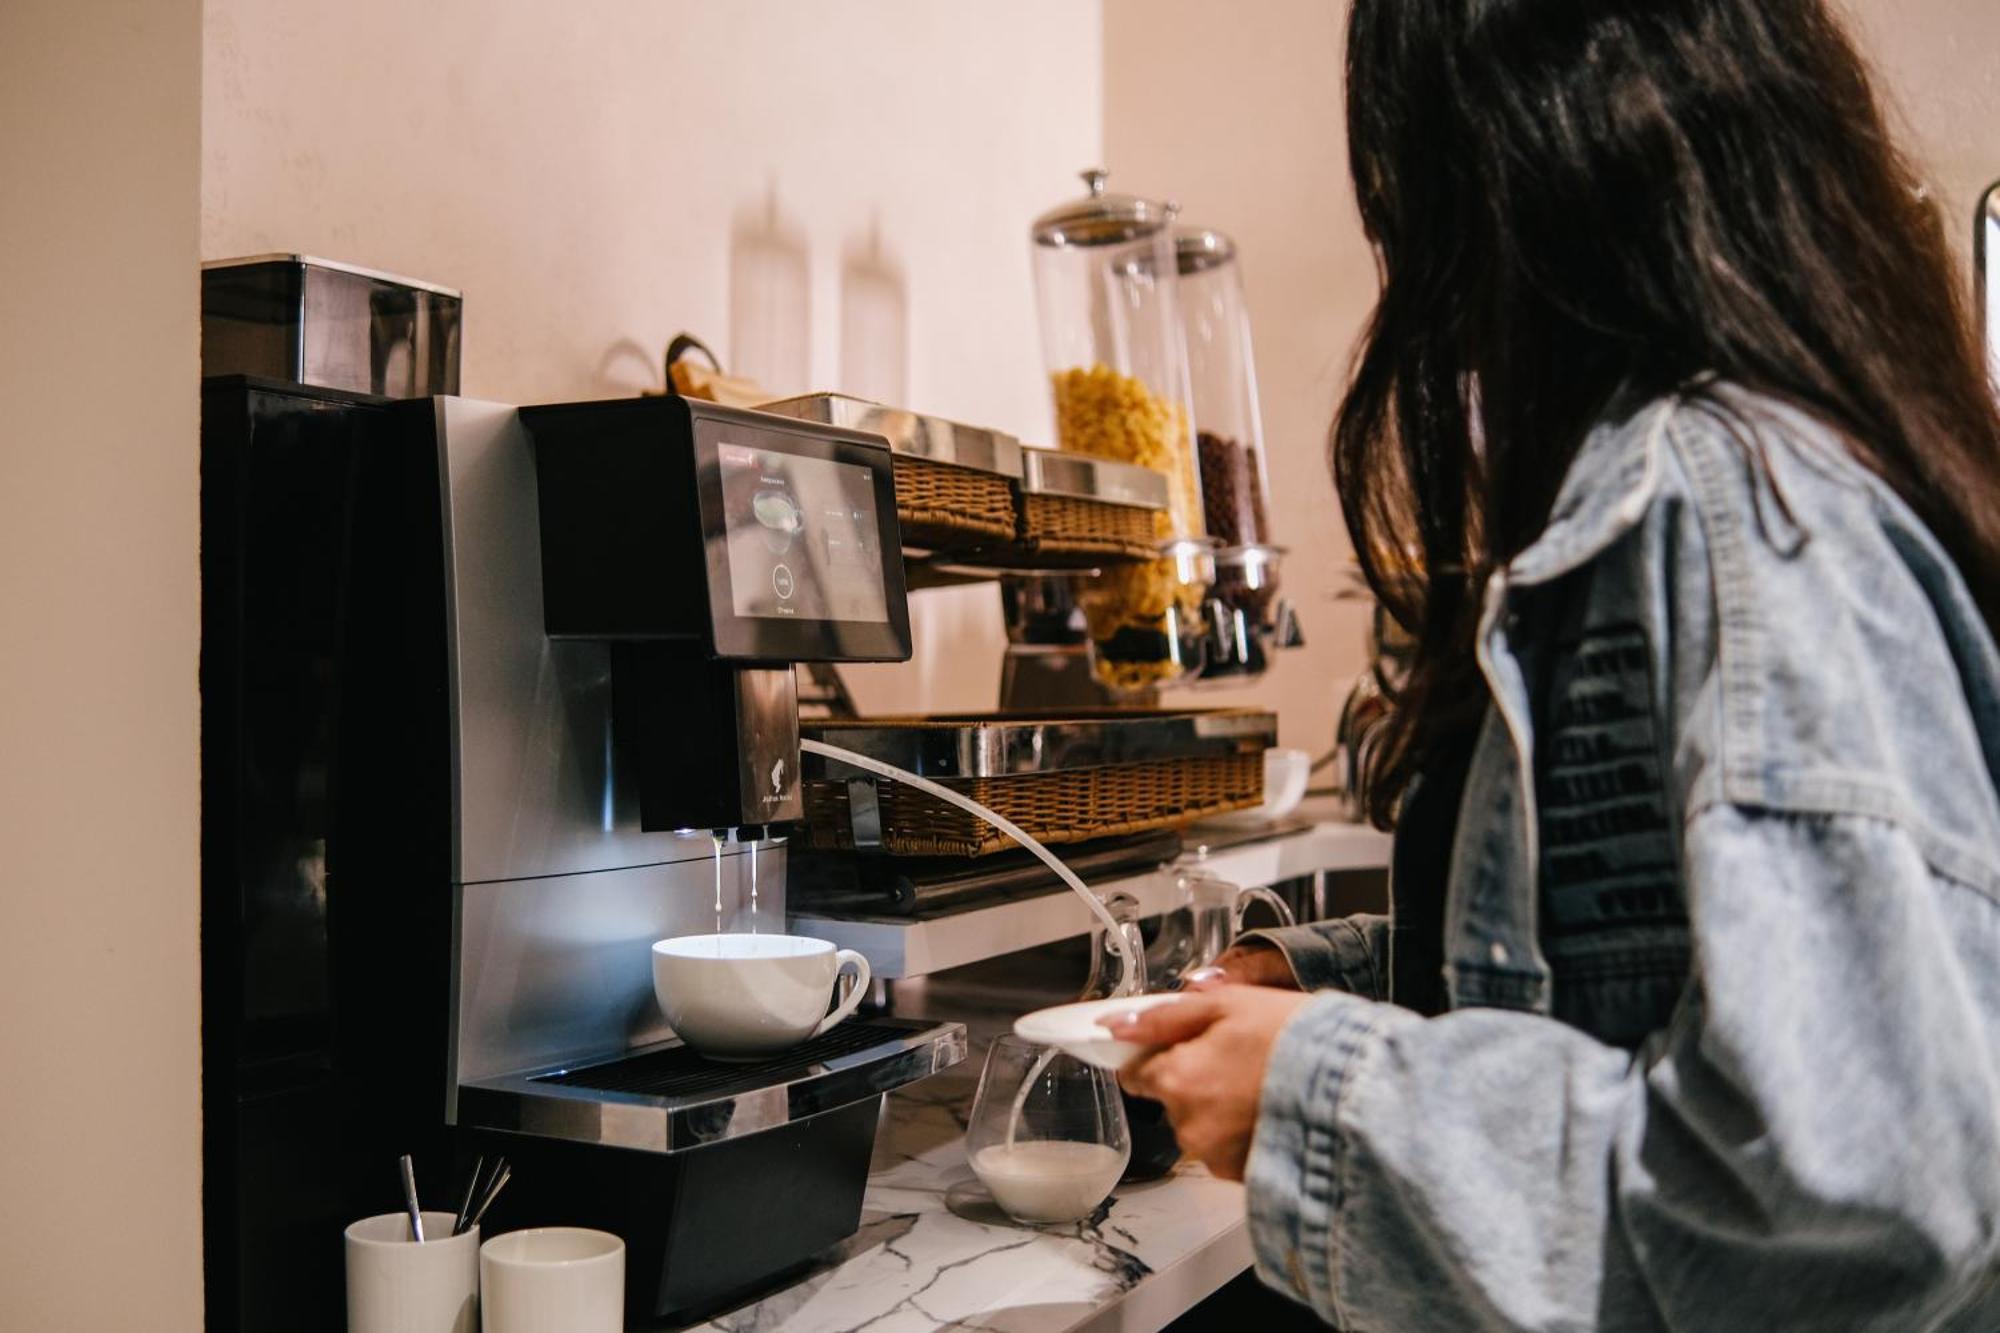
x=1106 y=290
x=1229 y=446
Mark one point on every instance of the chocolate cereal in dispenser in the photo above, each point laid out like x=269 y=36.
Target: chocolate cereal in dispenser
x=1229 y=448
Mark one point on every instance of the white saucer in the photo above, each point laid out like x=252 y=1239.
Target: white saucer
x=1073 y=1029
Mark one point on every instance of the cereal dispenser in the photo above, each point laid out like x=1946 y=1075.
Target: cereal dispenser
x=1249 y=617
x=1105 y=286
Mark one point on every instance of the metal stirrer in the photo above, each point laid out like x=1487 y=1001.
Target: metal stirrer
x=502 y=1173
x=410 y=1200
x=458 y=1226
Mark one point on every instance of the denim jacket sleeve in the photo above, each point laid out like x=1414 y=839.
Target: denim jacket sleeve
x=1350 y=954
x=1762 y=1164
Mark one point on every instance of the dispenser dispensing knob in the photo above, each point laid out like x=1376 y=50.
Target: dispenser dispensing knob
x=1289 y=634
x=1223 y=646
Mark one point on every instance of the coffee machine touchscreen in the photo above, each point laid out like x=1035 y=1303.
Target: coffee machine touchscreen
x=803 y=537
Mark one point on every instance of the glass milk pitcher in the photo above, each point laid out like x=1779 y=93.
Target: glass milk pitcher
x=1204 y=925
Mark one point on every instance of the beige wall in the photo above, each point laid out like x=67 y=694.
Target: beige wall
x=1242 y=122
x=100 y=1095
x=806 y=186
x=1935 y=60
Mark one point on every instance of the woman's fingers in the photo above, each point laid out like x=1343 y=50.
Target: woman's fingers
x=1137 y=1078
x=1163 y=1076
x=1165 y=1024
x=1211 y=1052
x=1175 y=1078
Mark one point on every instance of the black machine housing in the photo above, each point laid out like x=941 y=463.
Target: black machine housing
x=641 y=525
x=326 y=890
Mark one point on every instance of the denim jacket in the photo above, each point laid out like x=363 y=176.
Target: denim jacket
x=1750 y=705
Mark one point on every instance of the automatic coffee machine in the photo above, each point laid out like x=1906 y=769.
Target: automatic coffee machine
x=477 y=700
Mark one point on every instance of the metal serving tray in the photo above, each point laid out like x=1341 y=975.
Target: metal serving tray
x=1082 y=477
x=910 y=433
x=996 y=745
x=666 y=1099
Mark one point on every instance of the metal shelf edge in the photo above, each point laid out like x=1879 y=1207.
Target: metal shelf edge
x=899 y=947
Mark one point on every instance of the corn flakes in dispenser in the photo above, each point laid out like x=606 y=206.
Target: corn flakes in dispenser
x=1137 y=614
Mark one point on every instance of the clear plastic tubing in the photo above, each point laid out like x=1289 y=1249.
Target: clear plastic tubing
x=1115 y=932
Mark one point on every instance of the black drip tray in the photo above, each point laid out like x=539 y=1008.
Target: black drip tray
x=677 y=1071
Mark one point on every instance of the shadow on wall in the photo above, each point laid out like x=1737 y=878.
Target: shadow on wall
x=770 y=298
x=770 y=315
x=629 y=368
x=874 y=323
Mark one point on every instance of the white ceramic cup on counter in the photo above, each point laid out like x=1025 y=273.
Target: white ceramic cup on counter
x=553 y=1280
x=396 y=1285
x=743 y=997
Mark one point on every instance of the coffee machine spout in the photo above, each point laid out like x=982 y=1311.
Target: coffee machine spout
x=711 y=744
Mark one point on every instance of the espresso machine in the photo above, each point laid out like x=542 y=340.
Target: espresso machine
x=493 y=699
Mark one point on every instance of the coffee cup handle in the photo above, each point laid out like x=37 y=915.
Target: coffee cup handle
x=855 y=993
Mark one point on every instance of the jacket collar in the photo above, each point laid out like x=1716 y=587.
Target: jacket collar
x=1604 y=495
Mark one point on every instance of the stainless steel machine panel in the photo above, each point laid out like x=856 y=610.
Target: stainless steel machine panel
x=537 y=794
x=560 y=967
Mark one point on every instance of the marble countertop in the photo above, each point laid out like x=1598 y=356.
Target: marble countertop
x=934 y=1253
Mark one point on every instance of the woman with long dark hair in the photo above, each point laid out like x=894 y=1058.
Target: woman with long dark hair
x=1671 y=446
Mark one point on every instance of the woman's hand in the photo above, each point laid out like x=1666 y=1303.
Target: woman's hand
x=1248 y=964
x=1211 y=1074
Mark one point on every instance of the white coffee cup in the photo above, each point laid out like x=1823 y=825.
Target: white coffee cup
x=395 y=1285
x=554 y=1280
x=738 y=997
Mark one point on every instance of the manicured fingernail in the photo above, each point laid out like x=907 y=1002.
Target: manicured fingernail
x=1201 y=976
x=1120 y=1022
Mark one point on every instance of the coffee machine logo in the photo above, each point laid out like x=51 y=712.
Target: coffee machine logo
x=777 y=782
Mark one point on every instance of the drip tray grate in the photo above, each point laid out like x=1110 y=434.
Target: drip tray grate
x=677 y=1071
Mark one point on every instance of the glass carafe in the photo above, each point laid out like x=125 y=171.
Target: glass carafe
x=1048 y=1137
x=1105 y=288
x=1207 y=919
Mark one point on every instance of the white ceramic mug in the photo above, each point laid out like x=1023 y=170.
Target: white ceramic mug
x=739 y=997
x=395 y=1285
x=554 y=1280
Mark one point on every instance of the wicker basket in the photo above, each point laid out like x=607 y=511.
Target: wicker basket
x=1064 y=525
x=942 y=507
x=1072 y=805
